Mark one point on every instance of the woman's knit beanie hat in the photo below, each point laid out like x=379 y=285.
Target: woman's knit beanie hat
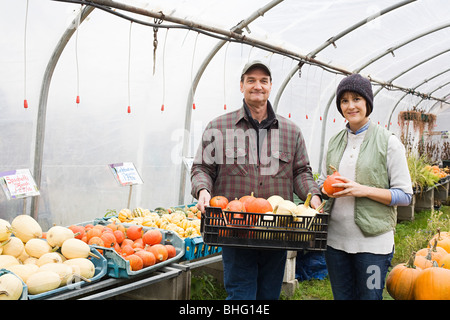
x=356 y=83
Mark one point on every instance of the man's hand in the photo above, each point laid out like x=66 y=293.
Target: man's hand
x=203 y=200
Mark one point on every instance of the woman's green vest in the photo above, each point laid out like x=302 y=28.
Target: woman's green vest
x=372 y=217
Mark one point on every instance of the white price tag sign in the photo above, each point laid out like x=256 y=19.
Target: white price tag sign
x=18 y=184
x=125 y=173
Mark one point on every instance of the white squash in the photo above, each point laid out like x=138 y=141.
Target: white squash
x=81 y=266
x=14 y=247
x=5 y=230
x=76 y=248
x=275 y=200
x=23 y=256
x=26 y=227
x=30 y=260
x=50 y=257
x=10 y=287
x=285 y=207
x=304 y=209
x=64 y=271
x=37 y=247
x=56 y=235
x=7 y=260
x=23 y=271
x=43 y=281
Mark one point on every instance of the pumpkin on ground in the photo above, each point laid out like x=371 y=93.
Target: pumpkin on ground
x=433 y=284
x=401 y=279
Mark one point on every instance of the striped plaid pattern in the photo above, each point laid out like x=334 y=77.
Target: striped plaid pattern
x=227 y=162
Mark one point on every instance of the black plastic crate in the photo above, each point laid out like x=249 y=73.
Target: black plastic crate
x=264 y=231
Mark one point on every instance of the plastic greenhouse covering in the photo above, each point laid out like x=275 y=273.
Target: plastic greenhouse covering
x=150 y=74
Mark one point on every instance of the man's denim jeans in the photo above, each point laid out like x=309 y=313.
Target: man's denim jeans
x=253 y=274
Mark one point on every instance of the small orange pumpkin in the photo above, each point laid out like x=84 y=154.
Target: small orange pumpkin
x=330 y=180
x=218 y=201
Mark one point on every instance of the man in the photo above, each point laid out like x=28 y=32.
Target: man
x=253 y=150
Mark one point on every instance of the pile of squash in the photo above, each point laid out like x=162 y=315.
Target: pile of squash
x=44 y=261
x=142 y=248
x=184 y=222
x=426 y=276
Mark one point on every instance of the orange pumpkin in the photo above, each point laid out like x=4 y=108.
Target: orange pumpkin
x=330 y=180
x=445 y=261
x=436 y=252
x=423 y=262
x=119 y=235
x=136 y=262
x=433 y=284
x=134 y=232
x=160 y=252
x=147 y=257
x=152 y=236
x=108 y=239
x=401 y=279
x=443 y=240
x=236 y=206
x=246 y=199
x=259 y=205
x=172 y=252
x=218 y=201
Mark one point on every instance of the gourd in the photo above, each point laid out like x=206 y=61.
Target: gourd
x=400 y=281
x=304 y=209
x=275 y=200
x=7 y=260
x=82 y=267
x=43 y=281
x=433 y=284
x=285 y=207
x=436 y=252
x=218 y=201
x=75 y=248
x=23 y=271
x=258 y=205
x=47 y=258
x=64 y=271
x=246 y=199
x=56 y=235
x=37 y=247
x=14 y=247
x=26 y=227
x=330 y=180
x=10 y=287
x=5 y=230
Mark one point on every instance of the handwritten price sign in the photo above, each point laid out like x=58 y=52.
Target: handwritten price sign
x=18 y=184
x=125 y=173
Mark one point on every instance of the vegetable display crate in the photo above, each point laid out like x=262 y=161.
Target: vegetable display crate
x=118 y=267
x=24 y=295
x=264 y=231
x=196 y=248
x=100 y=271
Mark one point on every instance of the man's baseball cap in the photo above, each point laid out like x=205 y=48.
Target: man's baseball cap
x=256 y=64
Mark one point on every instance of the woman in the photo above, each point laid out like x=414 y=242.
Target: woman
x=375 y=177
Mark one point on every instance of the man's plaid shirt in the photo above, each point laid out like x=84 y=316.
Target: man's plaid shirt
x=227 y=162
